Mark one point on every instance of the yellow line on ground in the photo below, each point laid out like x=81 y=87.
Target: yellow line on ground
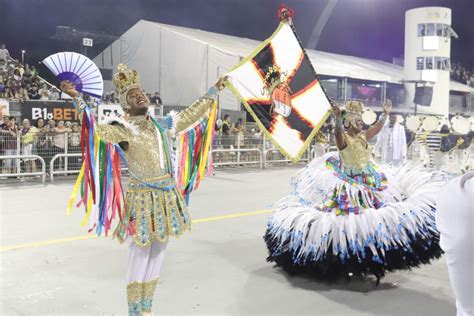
x=65 y=240
x=46 y=243
x=236 y=215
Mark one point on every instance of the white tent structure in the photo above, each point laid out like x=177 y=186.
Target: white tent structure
x=181 y=63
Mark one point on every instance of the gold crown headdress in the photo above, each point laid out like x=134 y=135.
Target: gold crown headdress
x=354 y=107
x=353 y=111
x=124 y=80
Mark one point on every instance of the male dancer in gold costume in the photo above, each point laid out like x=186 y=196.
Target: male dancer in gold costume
x=155 y=208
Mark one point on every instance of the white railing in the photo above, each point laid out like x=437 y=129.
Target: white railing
x=41 y=173
x=66 y=170
x=61 y=161
x=275 y=150
x=271 y=150
x=238 y=161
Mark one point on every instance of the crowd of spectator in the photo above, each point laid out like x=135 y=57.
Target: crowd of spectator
x=231 y=134
x=462 y=74
x=21 y=81
x=110 y=98
x=42 y=138
x=46 y=138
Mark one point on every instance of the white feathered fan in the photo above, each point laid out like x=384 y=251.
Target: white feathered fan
x=79 y=70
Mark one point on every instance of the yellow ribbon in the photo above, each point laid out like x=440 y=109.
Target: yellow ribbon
x=212 y=115
x=74 y=191
x=186 y=161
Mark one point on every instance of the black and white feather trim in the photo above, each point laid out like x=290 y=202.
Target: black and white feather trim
x=399 y=235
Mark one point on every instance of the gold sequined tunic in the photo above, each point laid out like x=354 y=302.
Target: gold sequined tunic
x=151 y=214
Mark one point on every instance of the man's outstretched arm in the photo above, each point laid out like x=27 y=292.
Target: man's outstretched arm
x=195 y=111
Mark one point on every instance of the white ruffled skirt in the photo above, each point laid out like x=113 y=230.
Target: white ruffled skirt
x=335 y=224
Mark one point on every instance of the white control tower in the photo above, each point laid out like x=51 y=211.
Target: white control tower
x=427 y=59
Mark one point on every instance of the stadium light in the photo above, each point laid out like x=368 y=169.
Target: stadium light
x=318 y=28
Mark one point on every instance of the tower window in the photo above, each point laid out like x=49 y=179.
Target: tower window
x=438 y=63
x=420 y=63
x=435 y=29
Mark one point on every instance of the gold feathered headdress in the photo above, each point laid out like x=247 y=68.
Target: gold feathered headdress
x=124 y=80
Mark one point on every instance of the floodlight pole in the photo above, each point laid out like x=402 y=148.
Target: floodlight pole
x=318 y=28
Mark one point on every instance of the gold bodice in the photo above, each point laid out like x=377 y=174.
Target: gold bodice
x=143 y=150
x=356 y=155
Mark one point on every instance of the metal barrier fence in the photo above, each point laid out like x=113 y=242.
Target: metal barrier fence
x=234 y=150
x=43 y=144
x=237 y=153
x=14 y=162
x=68 y=169
x=72 y=165
x=39 y=145
x=60 y=153
x=49 y=144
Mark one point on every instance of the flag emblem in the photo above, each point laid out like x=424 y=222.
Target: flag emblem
x=279 y=87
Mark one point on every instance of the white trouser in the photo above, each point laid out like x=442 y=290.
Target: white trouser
x=144 y=265
x=455 y=221
x=460 y=160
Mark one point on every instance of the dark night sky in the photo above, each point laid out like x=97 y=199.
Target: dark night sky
x=365 y=28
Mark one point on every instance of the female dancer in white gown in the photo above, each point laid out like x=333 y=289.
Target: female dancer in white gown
x=345 y=216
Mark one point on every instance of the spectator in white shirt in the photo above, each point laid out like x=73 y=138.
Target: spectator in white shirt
x=59 y=141
x=4 y=55
x=392 y=142
x=53 y=94
x=44 y=92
